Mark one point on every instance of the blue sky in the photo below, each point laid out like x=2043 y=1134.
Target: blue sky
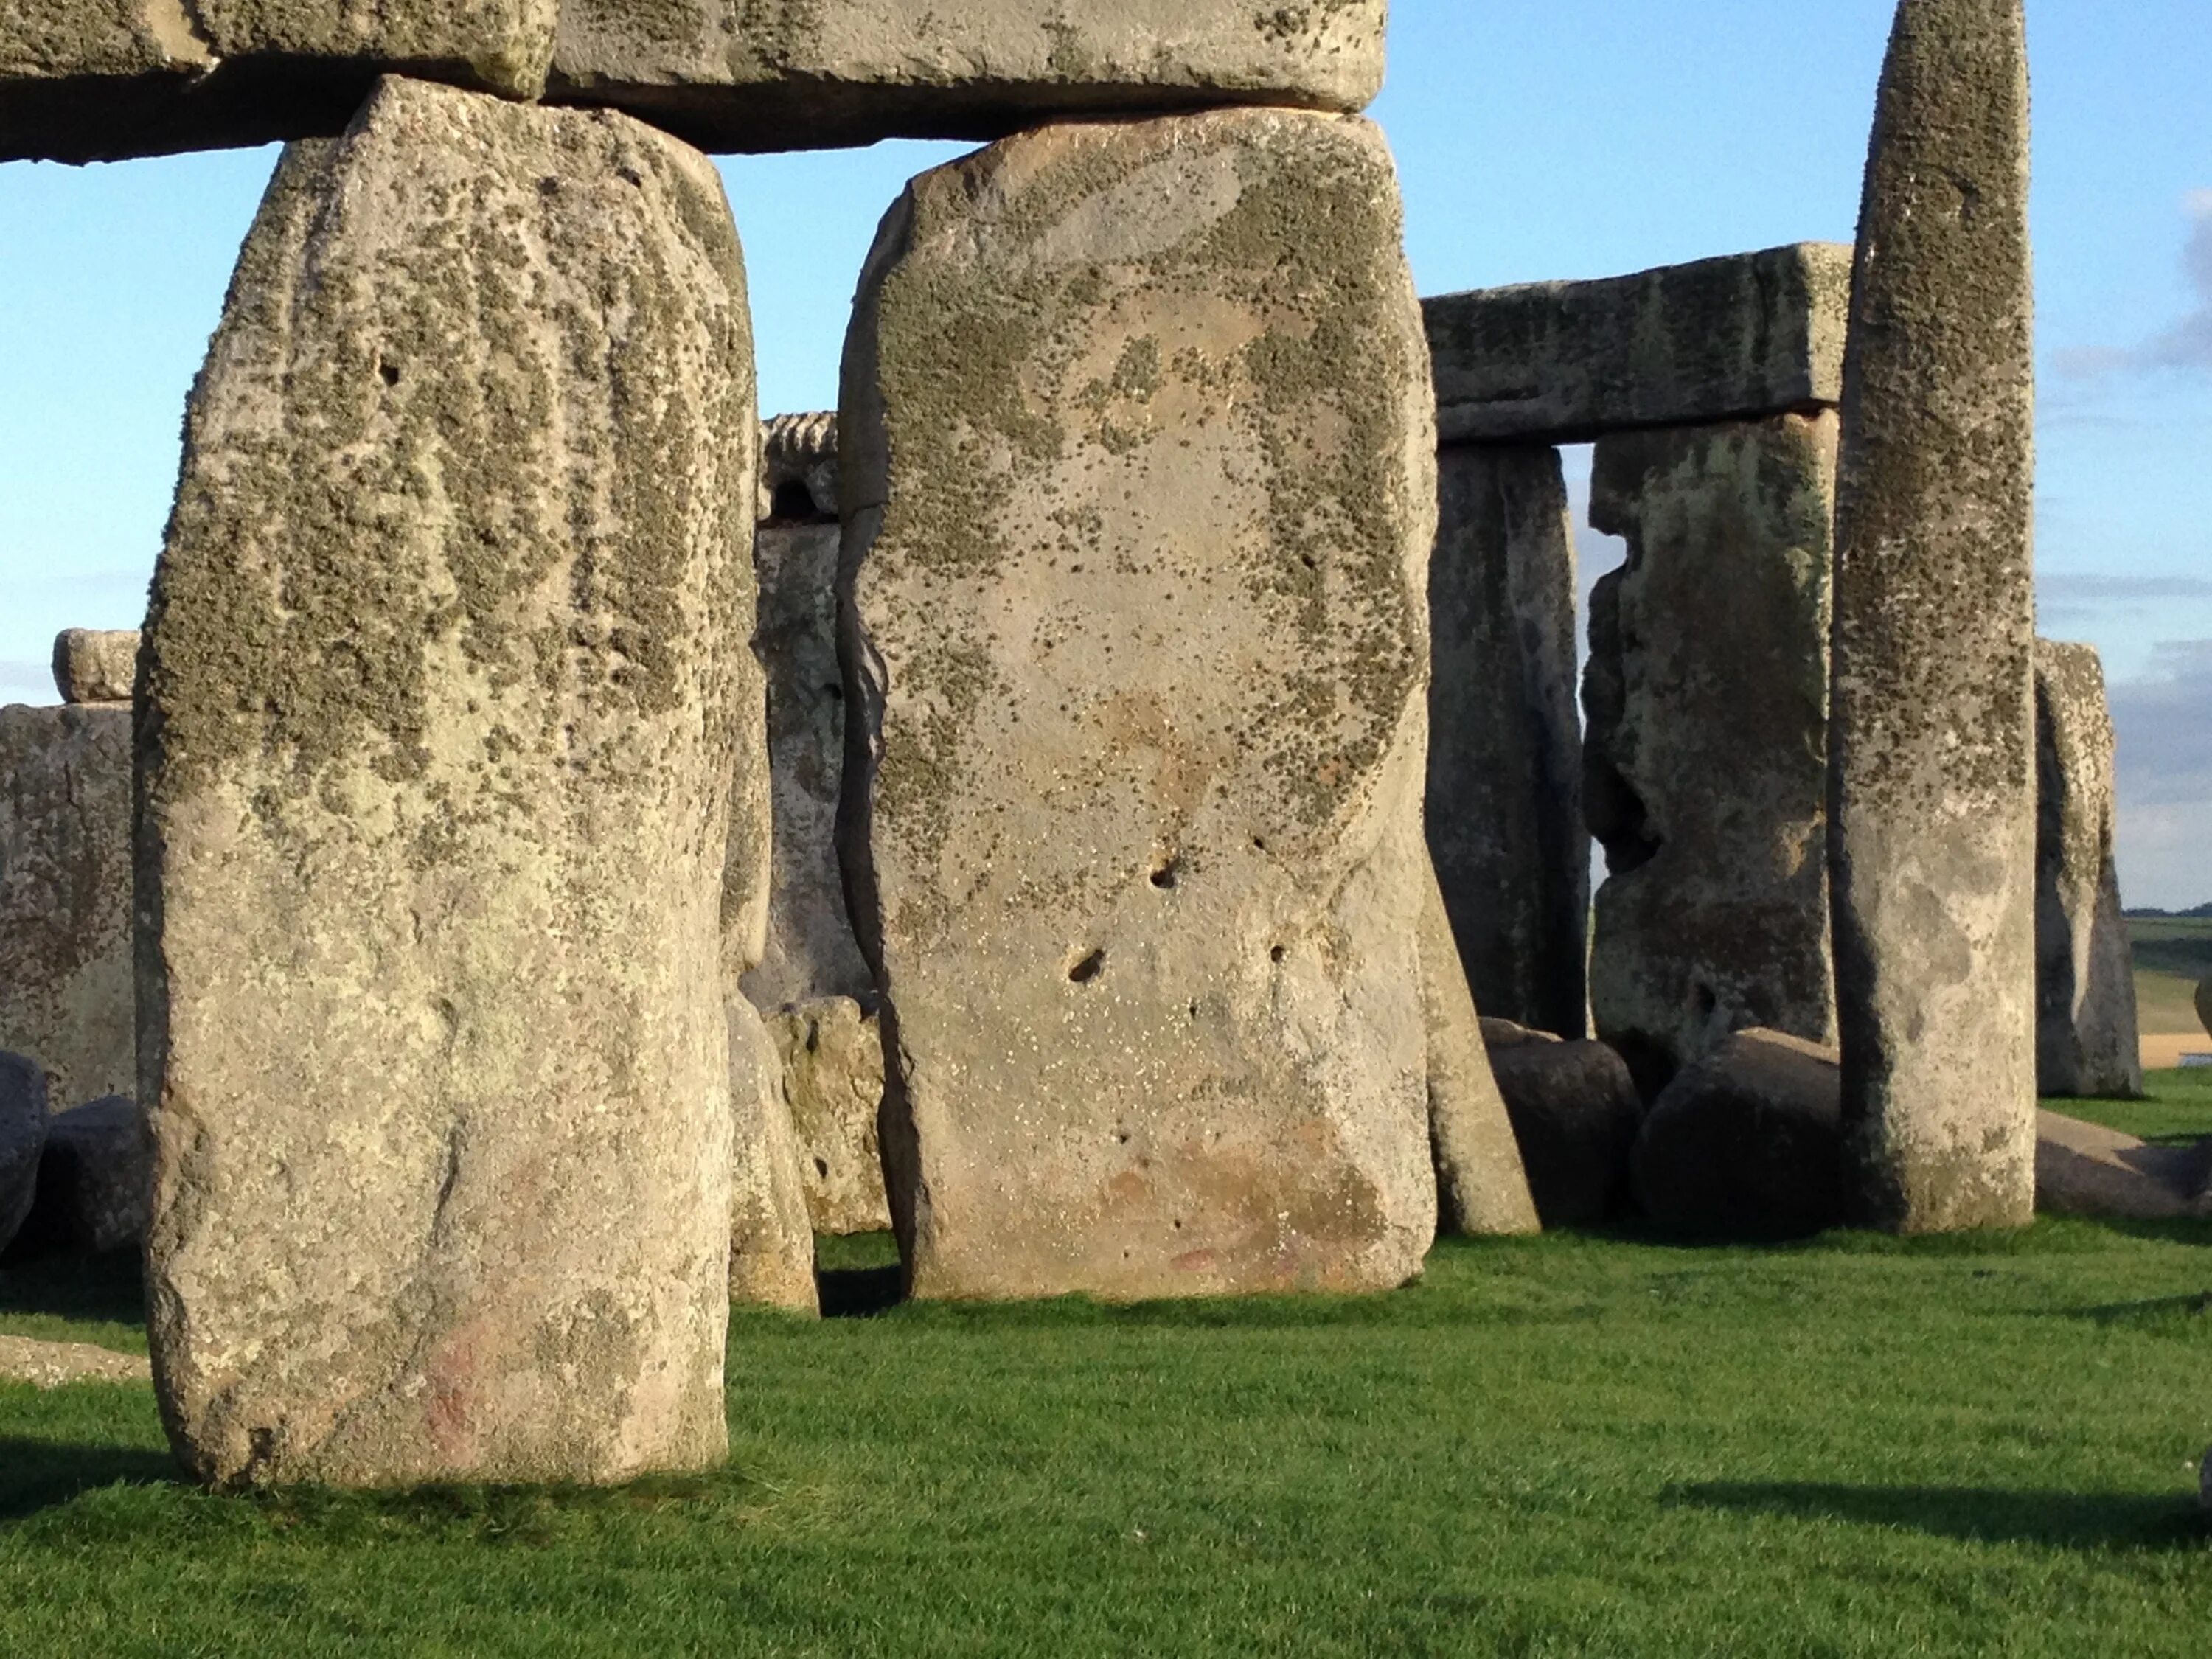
x=1537 y=138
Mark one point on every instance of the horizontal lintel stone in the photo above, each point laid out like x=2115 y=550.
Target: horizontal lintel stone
x=1742 y=337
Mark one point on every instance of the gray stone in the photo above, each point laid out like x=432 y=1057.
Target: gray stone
x=1575 y=1113
x=22 y=1138
x=1140 y=479
x=1481 y=1189
x=1932 y=727
x=2086 y=1034
x=104 y=79
x=833 y=1084
x=1746 y=1143
x=446 y=703
x=2086 y=1169
x=1706 y=746
x=95 y=665
x=770 y=75
x=65 y=988
x=55 y=1364
x=1729 y=339
x=771 y=1236
x=811 y=951
x=95 y=1180
x=1505 y=793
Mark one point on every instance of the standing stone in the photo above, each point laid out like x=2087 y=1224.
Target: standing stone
x=1140 y=490
x=1932 y=835
x=833 y=1084
x=95 y=665
x=2086 y=1040
x=65 y=995
x=1504 y=792
x=1706 y=752
x=810 y=950
x=442 y=710
x=22 y=1138
x=2204 y=1004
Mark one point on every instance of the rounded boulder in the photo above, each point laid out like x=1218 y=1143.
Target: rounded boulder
x=1575 y=1113
x=1746 y=1143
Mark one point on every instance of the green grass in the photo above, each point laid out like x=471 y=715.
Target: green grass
x=2172 y=954
x=2179 y=1108
x=1567 y=1445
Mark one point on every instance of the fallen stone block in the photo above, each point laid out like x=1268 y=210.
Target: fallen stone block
x=1706 y=754
x=96 y=1181
x=1139 y=482
x=1738 y=339
x=1575 y=1113
x=447 y=702
x=105 y=79
x=833 y=1083
x=22 y=1138
x=2086 y=1036
x=771 y=1236
x=56 y=1365
x=1932 y=724
x=736 y=75
x=65 y=883
x=1746 y=1143
x=2086 y=1169
x=95 y=665
x=1503 y=807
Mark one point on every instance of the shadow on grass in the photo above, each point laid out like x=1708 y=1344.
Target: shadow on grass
x=39 y=1474
x=2158 y=1311
x=2055 y=1520
x=858 y=1292
x=108 y=1287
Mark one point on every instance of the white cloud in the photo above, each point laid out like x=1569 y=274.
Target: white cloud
x=2164 y=777
x=2188 y=344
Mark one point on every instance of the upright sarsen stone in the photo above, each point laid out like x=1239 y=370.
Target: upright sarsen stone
x=1140 y=488
x=2086 y=1040
x=437 y=740
x=1933 y=733
x=1504 y=790
x=1706 y=751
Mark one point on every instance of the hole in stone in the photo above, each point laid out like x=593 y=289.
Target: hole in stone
x=1165 y=876
x=791 y=500
x=1259 y=844
x=822 y=1168
x=1121 y=1136
x=390 y=371
x=1277 y=954
x=1089 y=969
x=834 y=693
x=1178 y=1225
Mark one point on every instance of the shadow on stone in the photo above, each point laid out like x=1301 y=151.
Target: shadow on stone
x=2052 y=1520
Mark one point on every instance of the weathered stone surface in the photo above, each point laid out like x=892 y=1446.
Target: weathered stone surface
x=65 y=995
x=52 y=1365
x=1481 y=1189
x=1746 y=1143
x=1575 y=1113
x=22 y=1138
x=101 y=80
x=1505 y=793
x=1729 y=339
x=810 y=950
x=771 y=1240
x=445 y=707
x=2086 y=1169
x=800 y=74
x=2086 y=1038
x=1141 y=489
x=95 y=665
x=1932 y=728
x=833 y=1084
x=95 y=1178
x=1705 y=753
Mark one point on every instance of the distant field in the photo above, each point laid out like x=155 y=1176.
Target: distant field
x=2172 y=954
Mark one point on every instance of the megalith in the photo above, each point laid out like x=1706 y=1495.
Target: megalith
x=1932 y=731
x=95 y=665
x=23 y=1122
x=1139 y=492
x=1706 y=746
x=442 y=703
x=832 y=1051
x=2086 y=1036
x=65 y=976
x=1505 y=798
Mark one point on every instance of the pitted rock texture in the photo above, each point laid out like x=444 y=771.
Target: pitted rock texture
x=771 y=1237
x=1745 y=1144
x=1503 y=807
x=1481 y=1189
x=95 y=665
x=65 y=975
x=833 y=1084
x=95 y=1178
x=1140 y=489
x=1706 y=753
x=1729 y=339
x=1932 y=727
x=445 y=694
x=2086 y=1040
x=771 y=75
x=22 y=1138
x=103 y=80
x=811 y=951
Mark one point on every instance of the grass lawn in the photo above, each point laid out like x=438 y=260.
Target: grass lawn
x=1568 y=1445
x=2172 y=954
